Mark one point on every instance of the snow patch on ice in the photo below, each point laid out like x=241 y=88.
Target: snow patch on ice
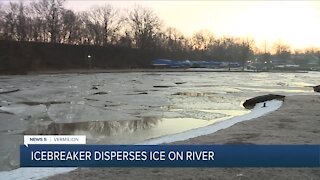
x=257 y=111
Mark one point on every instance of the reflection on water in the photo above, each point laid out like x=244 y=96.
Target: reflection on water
x=163 y=127
x=129 y=132
x=106 y=128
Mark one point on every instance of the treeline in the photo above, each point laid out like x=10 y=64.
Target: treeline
x=21 y=57
x=137 y=30
x=49 y=21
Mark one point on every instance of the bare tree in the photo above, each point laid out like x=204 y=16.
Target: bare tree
x=71 y=25
x=106 y=21
x=125 y=40
x=91 y=32
x=245 y=50
x=175 y=39
x=144 y=25
x=201 y=40
x=15 y=23
x=282 y=50
x=280 y=47
x=55 y=11
x=84 y=35
x=2 y=16
x=10 y=21
x=40 y=13
x=48 y=13
x=21 y=23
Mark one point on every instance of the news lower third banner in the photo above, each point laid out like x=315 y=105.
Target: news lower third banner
x=85 y=155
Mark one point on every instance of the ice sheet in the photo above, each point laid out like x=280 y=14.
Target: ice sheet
x=39 y=173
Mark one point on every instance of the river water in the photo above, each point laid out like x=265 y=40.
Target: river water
x=129 y=108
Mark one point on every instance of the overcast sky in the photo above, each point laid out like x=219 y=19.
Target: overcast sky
x=294 y=22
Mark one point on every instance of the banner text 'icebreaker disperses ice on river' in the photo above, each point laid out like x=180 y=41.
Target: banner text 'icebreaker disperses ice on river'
x=78 y=154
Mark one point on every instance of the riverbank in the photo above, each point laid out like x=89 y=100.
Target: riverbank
x=296 y=122
x=152 y=70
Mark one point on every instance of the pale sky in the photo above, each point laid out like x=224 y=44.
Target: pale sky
x=294 y=22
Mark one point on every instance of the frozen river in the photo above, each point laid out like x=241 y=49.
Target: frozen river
x=128 y=108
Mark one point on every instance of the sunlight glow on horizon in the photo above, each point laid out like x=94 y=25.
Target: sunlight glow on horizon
x=296 y=23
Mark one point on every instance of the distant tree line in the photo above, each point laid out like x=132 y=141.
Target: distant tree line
x=48 y=21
